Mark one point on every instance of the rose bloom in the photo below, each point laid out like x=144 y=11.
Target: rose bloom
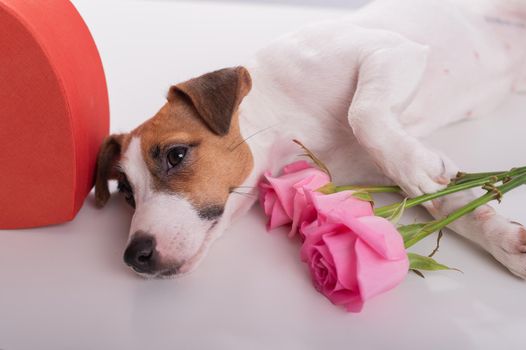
x=283 y=197
x=352 y=255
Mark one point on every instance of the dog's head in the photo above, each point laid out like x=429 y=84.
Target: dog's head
x=177 y=170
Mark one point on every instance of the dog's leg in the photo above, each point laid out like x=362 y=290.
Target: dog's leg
x=387 y=81
x=502 y=238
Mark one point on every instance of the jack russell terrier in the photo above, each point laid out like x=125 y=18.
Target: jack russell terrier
x=358 y=92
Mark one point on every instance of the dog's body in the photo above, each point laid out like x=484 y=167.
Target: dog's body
x=358 y=92
x=422 y=80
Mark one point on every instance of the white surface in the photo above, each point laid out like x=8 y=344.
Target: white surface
x=66 y=287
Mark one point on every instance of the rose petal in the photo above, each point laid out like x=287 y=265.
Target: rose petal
x=263 y=189
x=277 y=217
x=336 y=206
x=324 y=252
x=302 y=206
x=351 y=300
x=296 y=166
x=284 y=192
x=376 y=275
x=302 y=211
x=308 y=228
x=313 y=236
x=299 y=205
x=355 y=304
x=315 y=231
x=268 y=200
x=341 y=247
x=286 y=187
x=312 y=182
x=379 y=233
x=284 y=196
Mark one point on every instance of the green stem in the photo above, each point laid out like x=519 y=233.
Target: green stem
x=370 y=189
x=464 y=177
x=436 y=225
x=388 y=210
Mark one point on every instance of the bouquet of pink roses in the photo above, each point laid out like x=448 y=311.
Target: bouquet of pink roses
x=354 y=251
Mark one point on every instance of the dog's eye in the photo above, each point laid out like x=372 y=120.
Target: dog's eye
x=125 y=188
x=175 y=156
x=130 y=199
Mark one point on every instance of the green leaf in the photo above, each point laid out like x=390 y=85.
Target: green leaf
x=414 y=233
x=327 y=189
x=408 y=232
x=364 y=196
x=330 y=188
x=425 y=263
x=398 y=212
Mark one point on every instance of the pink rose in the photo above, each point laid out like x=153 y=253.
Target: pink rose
x=352 y=254
x=352 y=257
x=283 y=197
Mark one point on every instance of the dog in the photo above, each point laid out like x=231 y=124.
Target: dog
x=359 y=92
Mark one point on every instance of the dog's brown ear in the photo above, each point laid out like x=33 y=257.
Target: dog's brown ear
x=109 y=154
x=215 y=96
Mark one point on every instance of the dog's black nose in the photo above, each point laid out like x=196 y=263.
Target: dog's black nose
x=140 y=253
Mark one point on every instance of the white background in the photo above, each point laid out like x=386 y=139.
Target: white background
x=66 y=287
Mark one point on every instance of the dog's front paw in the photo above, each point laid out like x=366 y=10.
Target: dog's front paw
x=508 y=245
x=418 y=170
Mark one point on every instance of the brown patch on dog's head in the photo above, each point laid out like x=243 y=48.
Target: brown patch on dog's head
x=215 y=96
x=201 y=115
x=181 y=166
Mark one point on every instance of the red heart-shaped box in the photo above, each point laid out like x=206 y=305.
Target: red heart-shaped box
x=54 y=112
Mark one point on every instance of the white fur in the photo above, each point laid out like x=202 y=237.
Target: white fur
x=360 y=91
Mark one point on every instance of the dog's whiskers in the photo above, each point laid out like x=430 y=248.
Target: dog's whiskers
x=235 y=189
x=244 y=187
x=247 y=194
x=250 y=136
